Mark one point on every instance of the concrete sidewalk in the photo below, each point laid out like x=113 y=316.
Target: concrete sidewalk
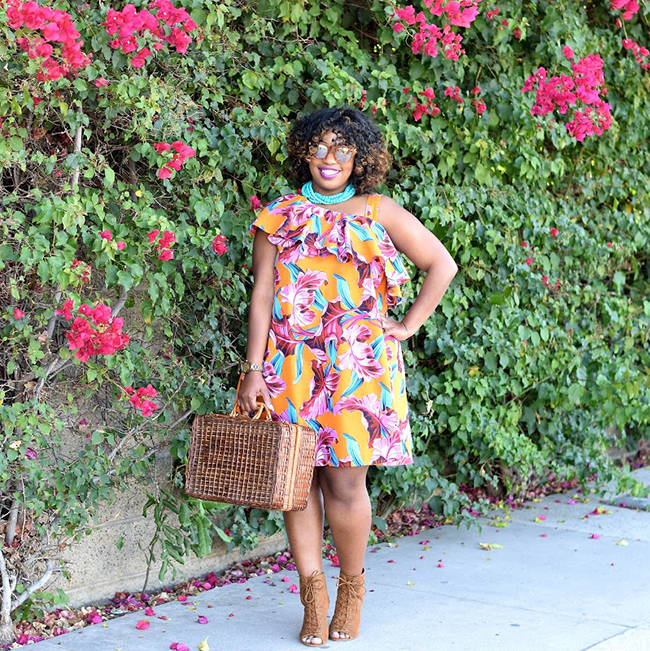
x=550 y=585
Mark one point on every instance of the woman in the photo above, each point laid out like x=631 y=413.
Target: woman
x=322 y=350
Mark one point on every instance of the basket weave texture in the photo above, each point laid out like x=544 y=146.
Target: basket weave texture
x=251 y=461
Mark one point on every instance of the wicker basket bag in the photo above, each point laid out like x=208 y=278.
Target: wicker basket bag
x=251 y=461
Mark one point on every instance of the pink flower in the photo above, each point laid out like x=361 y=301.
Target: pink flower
x=293 y=588
x=100 y=81
x=164 y=173
x=149 y=611
x=121 y=245
x=524 y=243
x=568 y=52
x=153 y=235
x=161 y=147
x=166 y=240
x=595 y=536
x=182 y=597
x=143 y=625
x=255 y=203
x=516 y=32
x=554 y=232
x=18 y=314
x=31 y=454
x=202 y=619
x=166 y=254
x=610 y=245
x=219 y=245
x=106 y=235
x=67 y=310
x=479 y=105
x=178 y=646
x=529 y=261
x=94 y=618
x=182 y=149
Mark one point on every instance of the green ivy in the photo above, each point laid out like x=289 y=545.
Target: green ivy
x=513 y=379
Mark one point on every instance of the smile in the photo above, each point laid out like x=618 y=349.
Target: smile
x=328 y=172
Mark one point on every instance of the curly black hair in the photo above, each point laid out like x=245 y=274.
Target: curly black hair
x=352 y=128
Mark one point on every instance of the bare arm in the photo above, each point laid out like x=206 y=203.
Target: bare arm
x=253 y=385
x=427 y=253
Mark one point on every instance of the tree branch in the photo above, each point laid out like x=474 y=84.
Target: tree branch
x=55 y=367
x=51 y=323
x=121 y=301
x=11 y=523
x=37 y=585
x=6 y=626
x=77 y=150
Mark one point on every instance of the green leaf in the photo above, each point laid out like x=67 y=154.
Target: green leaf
x=575 y=393
x=619 y=279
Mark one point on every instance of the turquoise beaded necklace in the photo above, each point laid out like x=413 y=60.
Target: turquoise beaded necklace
x=327 y=199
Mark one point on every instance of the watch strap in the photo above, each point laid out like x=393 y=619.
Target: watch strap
x=248 y=366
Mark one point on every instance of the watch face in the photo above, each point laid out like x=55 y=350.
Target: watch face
x=246 y=367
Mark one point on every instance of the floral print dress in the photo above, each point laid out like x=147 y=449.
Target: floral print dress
x=328 y=364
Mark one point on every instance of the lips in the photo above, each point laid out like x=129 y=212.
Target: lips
x=328 y=172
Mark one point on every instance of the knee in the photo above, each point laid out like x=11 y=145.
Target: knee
x=344 y=489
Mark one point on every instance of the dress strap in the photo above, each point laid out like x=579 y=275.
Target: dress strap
x=373 y=206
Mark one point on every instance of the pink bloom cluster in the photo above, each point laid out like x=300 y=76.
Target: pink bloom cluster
x=98 y=334
x=139 y=399
x=219 y=245
x=565 y=90
x=429 y=36
x=80 y=271
x=493 y=13
x=129 y=24
x=453 y=92
x=363 y=100
x=181 y=153
x=108 y=236
x=479 y=104
x=18 y=313
x=640 y=52
x=424 y=106
x=629 y=7
x=554 y=232
x=256 y=204
x=461 y=13
x=164 y=244
x=55 y=26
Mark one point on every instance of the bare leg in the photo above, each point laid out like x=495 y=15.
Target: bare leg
x=347 y=507
x=305 y=532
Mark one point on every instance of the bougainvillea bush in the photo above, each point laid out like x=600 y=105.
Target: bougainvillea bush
x=138 y=141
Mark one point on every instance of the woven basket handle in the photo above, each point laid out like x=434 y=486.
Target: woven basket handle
x=258 y=414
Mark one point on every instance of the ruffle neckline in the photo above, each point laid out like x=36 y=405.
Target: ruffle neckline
x=316 y=230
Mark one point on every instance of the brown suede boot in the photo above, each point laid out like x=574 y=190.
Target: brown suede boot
x=313 y=596
x=347 y=613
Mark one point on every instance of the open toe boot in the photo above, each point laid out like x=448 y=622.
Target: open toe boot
x=313 y=596
x=347 y=613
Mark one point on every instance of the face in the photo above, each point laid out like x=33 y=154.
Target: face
x=329 y=175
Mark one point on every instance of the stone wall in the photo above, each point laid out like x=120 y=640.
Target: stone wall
x=97 y=568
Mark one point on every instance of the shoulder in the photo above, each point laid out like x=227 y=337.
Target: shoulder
x=390 y=214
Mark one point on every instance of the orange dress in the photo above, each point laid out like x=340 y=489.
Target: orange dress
x=328 y=363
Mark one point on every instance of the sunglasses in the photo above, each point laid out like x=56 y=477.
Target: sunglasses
x=342 y=153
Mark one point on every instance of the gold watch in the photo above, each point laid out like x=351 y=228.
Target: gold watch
x=246 y=367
